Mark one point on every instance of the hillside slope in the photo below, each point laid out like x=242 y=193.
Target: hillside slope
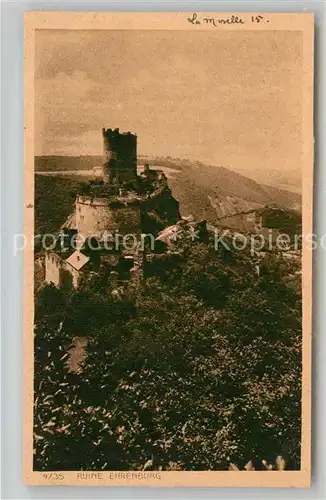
x=206 y=191
x=215 y=190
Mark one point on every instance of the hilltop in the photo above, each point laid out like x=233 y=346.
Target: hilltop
x=198 y=364
x=206 y=191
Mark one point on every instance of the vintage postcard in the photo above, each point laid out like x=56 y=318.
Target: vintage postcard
x=168 y=248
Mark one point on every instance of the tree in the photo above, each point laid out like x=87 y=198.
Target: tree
x=197 y=370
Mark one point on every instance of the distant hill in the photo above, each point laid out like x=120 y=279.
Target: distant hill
x=62 y=163
x=207 y=191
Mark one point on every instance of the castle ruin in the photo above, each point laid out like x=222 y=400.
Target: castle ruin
x=120 y=156
x=109 y=209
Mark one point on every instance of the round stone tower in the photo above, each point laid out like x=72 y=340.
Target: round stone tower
x=120 y=156
x=95 y=216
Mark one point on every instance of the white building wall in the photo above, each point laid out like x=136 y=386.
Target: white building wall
x=52 y=269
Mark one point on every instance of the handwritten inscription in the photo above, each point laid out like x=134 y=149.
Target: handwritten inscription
x=218 y=21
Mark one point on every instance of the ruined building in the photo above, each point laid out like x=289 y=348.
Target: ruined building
x=120 y=156
x=104 y=237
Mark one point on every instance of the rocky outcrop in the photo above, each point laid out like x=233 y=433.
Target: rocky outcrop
x=158 y=211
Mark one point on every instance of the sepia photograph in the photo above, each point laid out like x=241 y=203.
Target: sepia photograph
x=169 y=202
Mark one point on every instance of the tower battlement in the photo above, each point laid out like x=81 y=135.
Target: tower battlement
x=120 y=156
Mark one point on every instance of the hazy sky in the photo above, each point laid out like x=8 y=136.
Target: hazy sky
x=228 y=98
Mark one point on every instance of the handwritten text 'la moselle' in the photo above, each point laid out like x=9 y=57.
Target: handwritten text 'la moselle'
x=216 y=21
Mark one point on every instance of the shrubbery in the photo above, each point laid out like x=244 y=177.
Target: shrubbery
x=197 y=370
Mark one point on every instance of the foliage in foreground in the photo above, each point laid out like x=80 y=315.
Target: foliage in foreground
x=200 y=369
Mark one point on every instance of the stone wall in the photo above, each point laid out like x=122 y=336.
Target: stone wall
x=52 y=268
x=120 y=156
x=59 y=272
x=94 y=216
